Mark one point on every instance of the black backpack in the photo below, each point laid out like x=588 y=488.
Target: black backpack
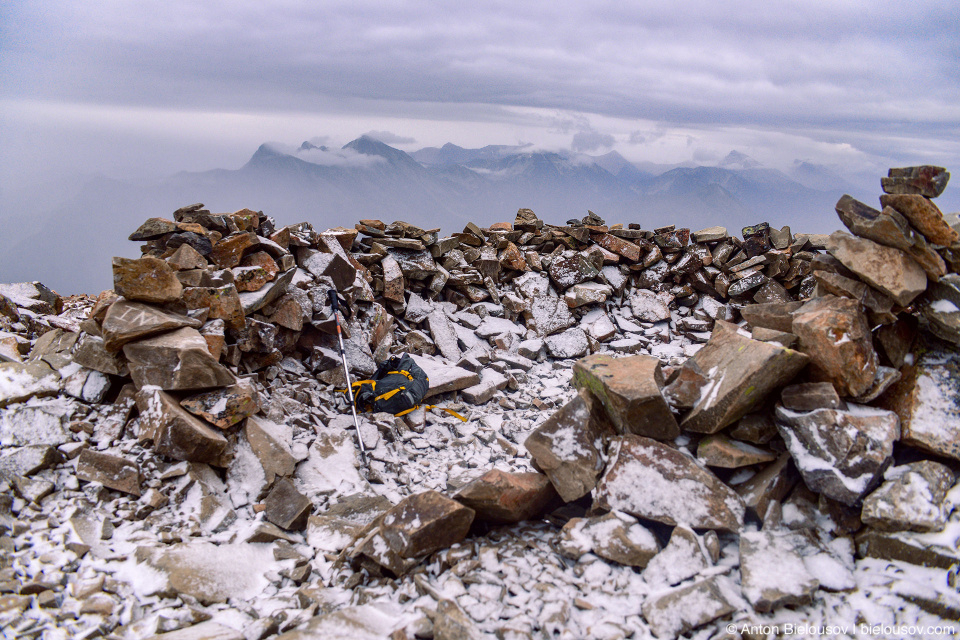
x=398 y=387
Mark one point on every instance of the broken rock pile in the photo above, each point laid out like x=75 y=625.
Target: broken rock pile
x=667 y=430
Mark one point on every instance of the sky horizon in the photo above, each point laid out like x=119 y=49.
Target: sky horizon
x=142 y=90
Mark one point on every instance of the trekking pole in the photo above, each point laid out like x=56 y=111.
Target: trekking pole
x=332 y=294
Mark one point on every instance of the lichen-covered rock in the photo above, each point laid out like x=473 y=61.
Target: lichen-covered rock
x=629 y=389
x=146 y=279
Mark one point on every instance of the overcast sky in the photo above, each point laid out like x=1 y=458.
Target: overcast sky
x=136 y=89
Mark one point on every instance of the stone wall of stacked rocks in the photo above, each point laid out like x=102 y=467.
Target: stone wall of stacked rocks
x=799 y=357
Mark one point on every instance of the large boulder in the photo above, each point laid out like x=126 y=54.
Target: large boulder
x=146 y=279
x=648 y=479
x=174 y=431
x=567 y=447
x=126 y=321
x=835 y=334
x=178 y=360
x=629 y=390
x=740 y=372
x=840 y=453
x=890 y=270
x=500 y=497
x=911 y=498
x=927 y=400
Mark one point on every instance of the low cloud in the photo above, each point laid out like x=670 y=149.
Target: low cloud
x=326 y=157
x=585 y=141
x=388 y=137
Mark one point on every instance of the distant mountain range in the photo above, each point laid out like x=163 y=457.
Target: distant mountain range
x=68 y=246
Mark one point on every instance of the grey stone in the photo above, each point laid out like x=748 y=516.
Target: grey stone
x=840 y=453
x=773 y=572
x=910 y=499
x=676 y=489
x=688 y=607
x=114 y=472
x=286 y=507
x=175 y=432
x=572 y=343
x=178 y=360
x=615 y=536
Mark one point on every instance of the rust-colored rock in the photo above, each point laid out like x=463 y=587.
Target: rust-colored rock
x=504 y=498
x=146 y=279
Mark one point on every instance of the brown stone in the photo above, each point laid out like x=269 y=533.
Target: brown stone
x=229 y=251
x=424 y=523
x=564 y=447
x=504 y=498
x=629 y=389
x=675 y=489
x=512 y=258
x=175 y=432
x=740 y=373
x=393 y=283
x=153 y=228
x=924 y=215
x=223 y=303
x=250 y=278
x=186 y=258
x=114 y=472
x=773 y=315
x=809 y=396
x=835 y=334
x=270 y=442
x=146 y=279
x=687 y=607
x=927 y=401
x=126 y=321
x=224 y=407
x=890 y=270
x=725 y=453
x=178 y=360
x=770 y=485
x=286 y=507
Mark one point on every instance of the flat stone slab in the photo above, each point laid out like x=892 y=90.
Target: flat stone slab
x=648 y=479
x=178 y=360
x=445 y=377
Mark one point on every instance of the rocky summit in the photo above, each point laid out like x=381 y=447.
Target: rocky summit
x=631 y=432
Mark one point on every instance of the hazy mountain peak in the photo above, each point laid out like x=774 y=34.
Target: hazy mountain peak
x=365 y=145
x=738 y=160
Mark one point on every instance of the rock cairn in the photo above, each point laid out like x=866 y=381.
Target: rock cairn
x=727 y=393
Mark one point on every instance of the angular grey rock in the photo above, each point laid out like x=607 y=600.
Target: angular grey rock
x=114 y=472
x=444 y=335
x=445 y=377
x=451 y=623
x=629 y=389
x=615 y=536
x=37 y=423
x=905 y=546
x=91 y=352
x=566 y=447
x=286 y=507
x=25 y=461
x=547 y=315
x=21 y=381
x=566 y=271
x=675 y=489
x=927 y=400
x=374 y=621
x=688 y=607
x=572 y=343
x=339 y=525
x=910 y=499
x=840 y=453
x=925 y=180
x=331 y=265
x=178 y=360
x=208 y=630
x=773 y=572
x=648 y=306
